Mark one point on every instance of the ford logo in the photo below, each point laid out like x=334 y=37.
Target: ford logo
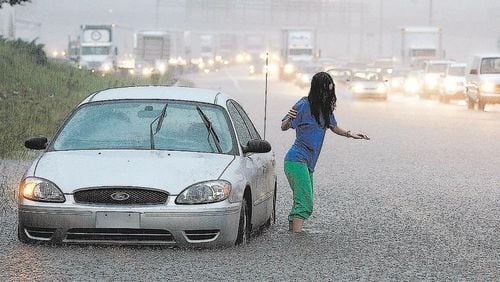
x=120 y=196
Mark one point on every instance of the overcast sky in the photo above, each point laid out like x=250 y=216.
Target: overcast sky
x=468 y=25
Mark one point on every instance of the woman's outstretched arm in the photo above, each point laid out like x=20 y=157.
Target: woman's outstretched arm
x=347 y=133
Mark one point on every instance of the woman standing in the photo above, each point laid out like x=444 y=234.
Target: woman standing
x=310 y=117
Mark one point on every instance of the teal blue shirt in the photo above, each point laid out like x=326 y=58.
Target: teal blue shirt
x=309 y=135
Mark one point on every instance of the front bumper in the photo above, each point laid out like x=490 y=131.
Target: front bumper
x=170 y=224
x=490 y=98
x=368 y=94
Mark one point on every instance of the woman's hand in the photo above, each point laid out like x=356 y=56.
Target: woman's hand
x=357 y=135
x=287 y=123
x=292 y=113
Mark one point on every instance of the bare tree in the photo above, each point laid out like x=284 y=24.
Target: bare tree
x=12 y=2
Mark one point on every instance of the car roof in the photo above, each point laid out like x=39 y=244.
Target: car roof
x=160 y=93
x=488 y=55
x=440 y=62
x=458 y=65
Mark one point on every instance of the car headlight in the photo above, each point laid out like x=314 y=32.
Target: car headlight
x=41 y=190
x=431 y=81
x=450 y=85
x=106 y=67
x=204 y=193
x=289 y=69
x=358 y=88
x=412 y=85
x=487 y=86
x=305 y=78
x=381 y=88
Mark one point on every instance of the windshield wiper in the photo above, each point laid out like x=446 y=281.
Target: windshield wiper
x=210 y=128
x=160 y=119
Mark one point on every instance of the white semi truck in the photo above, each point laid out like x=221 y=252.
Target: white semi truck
x=298 y=47
x=157 y=49
x=97 y=49
x=419 y=44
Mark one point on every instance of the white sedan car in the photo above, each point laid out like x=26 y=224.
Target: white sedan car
x=150 y=165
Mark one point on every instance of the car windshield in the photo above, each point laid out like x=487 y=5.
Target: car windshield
x=490 y=65
x=456 y=71
x=101 y=50
x=436 y=68
x=365 y=76
x=126 y=125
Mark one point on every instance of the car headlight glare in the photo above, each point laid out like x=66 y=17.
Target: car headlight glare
x=205 y=193
x=487 y=86
x=381 y=88
x=289 y=69
x=450 y=85
x=431 y=81
x=41 y=190
x=358 y=88
x=412 y=85
x=306 y=78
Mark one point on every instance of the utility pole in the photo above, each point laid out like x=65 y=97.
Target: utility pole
x=430 y=12
x=381 y=28
x=157 y=8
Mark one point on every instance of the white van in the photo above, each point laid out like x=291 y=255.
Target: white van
x=483 y=81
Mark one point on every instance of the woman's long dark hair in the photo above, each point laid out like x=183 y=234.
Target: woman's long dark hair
x=322 y=100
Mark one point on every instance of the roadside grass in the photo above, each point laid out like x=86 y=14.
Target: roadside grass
x=36 y=94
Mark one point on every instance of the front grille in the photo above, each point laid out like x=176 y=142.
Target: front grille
x=121 y=196
x=119 y=235
x=93 y=65
x=40 y=233
x=202 y=235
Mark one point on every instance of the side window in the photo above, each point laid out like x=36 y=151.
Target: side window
x=253 y=132
x=239 y=124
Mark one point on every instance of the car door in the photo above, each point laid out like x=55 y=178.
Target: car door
x=256 y=165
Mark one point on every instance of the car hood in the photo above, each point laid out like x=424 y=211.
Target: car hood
x=367 y=83
x=166 y=170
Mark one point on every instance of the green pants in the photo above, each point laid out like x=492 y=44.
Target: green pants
x=301 y=182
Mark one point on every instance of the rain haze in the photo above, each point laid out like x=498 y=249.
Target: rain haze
x=249 y=140
x=349 y=29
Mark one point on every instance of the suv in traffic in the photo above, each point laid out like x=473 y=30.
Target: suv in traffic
x=434 y=71
x=483 y=81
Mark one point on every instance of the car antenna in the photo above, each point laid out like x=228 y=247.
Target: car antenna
x=265 y=94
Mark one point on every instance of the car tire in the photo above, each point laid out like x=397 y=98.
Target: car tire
x=272 y=217
x=244 y=225
x=470 y=103
x=480 y=104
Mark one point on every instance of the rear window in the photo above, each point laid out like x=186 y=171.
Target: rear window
x=490 y=65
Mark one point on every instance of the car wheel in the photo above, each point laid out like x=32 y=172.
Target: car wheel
x=244 y=225
x=480 y=105
x=272 y=217
x=470 y=103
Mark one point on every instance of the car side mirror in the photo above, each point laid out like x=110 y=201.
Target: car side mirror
x=36 y=143
x=257 y=146
x=473 y=71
